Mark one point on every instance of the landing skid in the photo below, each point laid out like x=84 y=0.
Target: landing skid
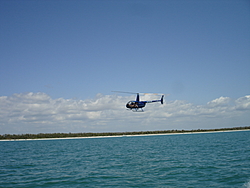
x=137 y=109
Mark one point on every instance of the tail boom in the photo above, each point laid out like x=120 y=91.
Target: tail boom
x=161 y=100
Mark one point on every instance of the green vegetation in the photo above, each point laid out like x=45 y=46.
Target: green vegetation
x=71 y=135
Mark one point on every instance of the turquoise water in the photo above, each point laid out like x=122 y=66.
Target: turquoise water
x=187 y=160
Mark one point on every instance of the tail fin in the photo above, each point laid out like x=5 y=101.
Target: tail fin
x=162 y=99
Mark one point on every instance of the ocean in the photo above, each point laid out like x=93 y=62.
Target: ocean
x=220 y=159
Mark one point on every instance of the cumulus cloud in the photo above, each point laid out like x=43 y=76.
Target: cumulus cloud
x=243 y=103
x=38 y=112
x=219 y=101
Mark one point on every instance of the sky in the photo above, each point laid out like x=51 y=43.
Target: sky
x=60 y=60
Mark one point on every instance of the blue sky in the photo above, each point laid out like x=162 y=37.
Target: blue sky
x=77 y=52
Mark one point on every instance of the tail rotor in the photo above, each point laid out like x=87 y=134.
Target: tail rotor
x=162 y=99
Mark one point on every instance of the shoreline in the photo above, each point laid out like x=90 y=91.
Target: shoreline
x=128 y=135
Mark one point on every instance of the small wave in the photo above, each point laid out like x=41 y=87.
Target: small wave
x=247 y=184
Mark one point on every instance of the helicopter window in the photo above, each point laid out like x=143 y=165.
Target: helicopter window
x=131 y=103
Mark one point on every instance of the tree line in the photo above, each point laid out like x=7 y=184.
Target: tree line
x=72 y=135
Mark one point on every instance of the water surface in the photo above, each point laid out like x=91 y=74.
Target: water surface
x=186 y=160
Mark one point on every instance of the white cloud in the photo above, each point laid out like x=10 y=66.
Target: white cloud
x=219 y=101
x=38 y=112
x=243 y=103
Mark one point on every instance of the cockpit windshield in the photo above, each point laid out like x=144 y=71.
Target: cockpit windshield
x=132 y=104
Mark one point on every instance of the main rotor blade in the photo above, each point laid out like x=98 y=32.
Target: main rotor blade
x=140 y=93
x=157 y=94
x=124 y=92
x=152 y=94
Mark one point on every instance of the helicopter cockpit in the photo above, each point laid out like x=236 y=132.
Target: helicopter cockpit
x=132 y=104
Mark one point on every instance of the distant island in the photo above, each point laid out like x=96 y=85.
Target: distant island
x=77 y=135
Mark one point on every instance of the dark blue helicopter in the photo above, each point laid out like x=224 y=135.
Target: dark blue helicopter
x=137 y=105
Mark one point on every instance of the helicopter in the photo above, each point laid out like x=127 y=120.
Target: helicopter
x=137 y=105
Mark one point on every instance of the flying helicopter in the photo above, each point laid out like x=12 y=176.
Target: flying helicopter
x=137 y=105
